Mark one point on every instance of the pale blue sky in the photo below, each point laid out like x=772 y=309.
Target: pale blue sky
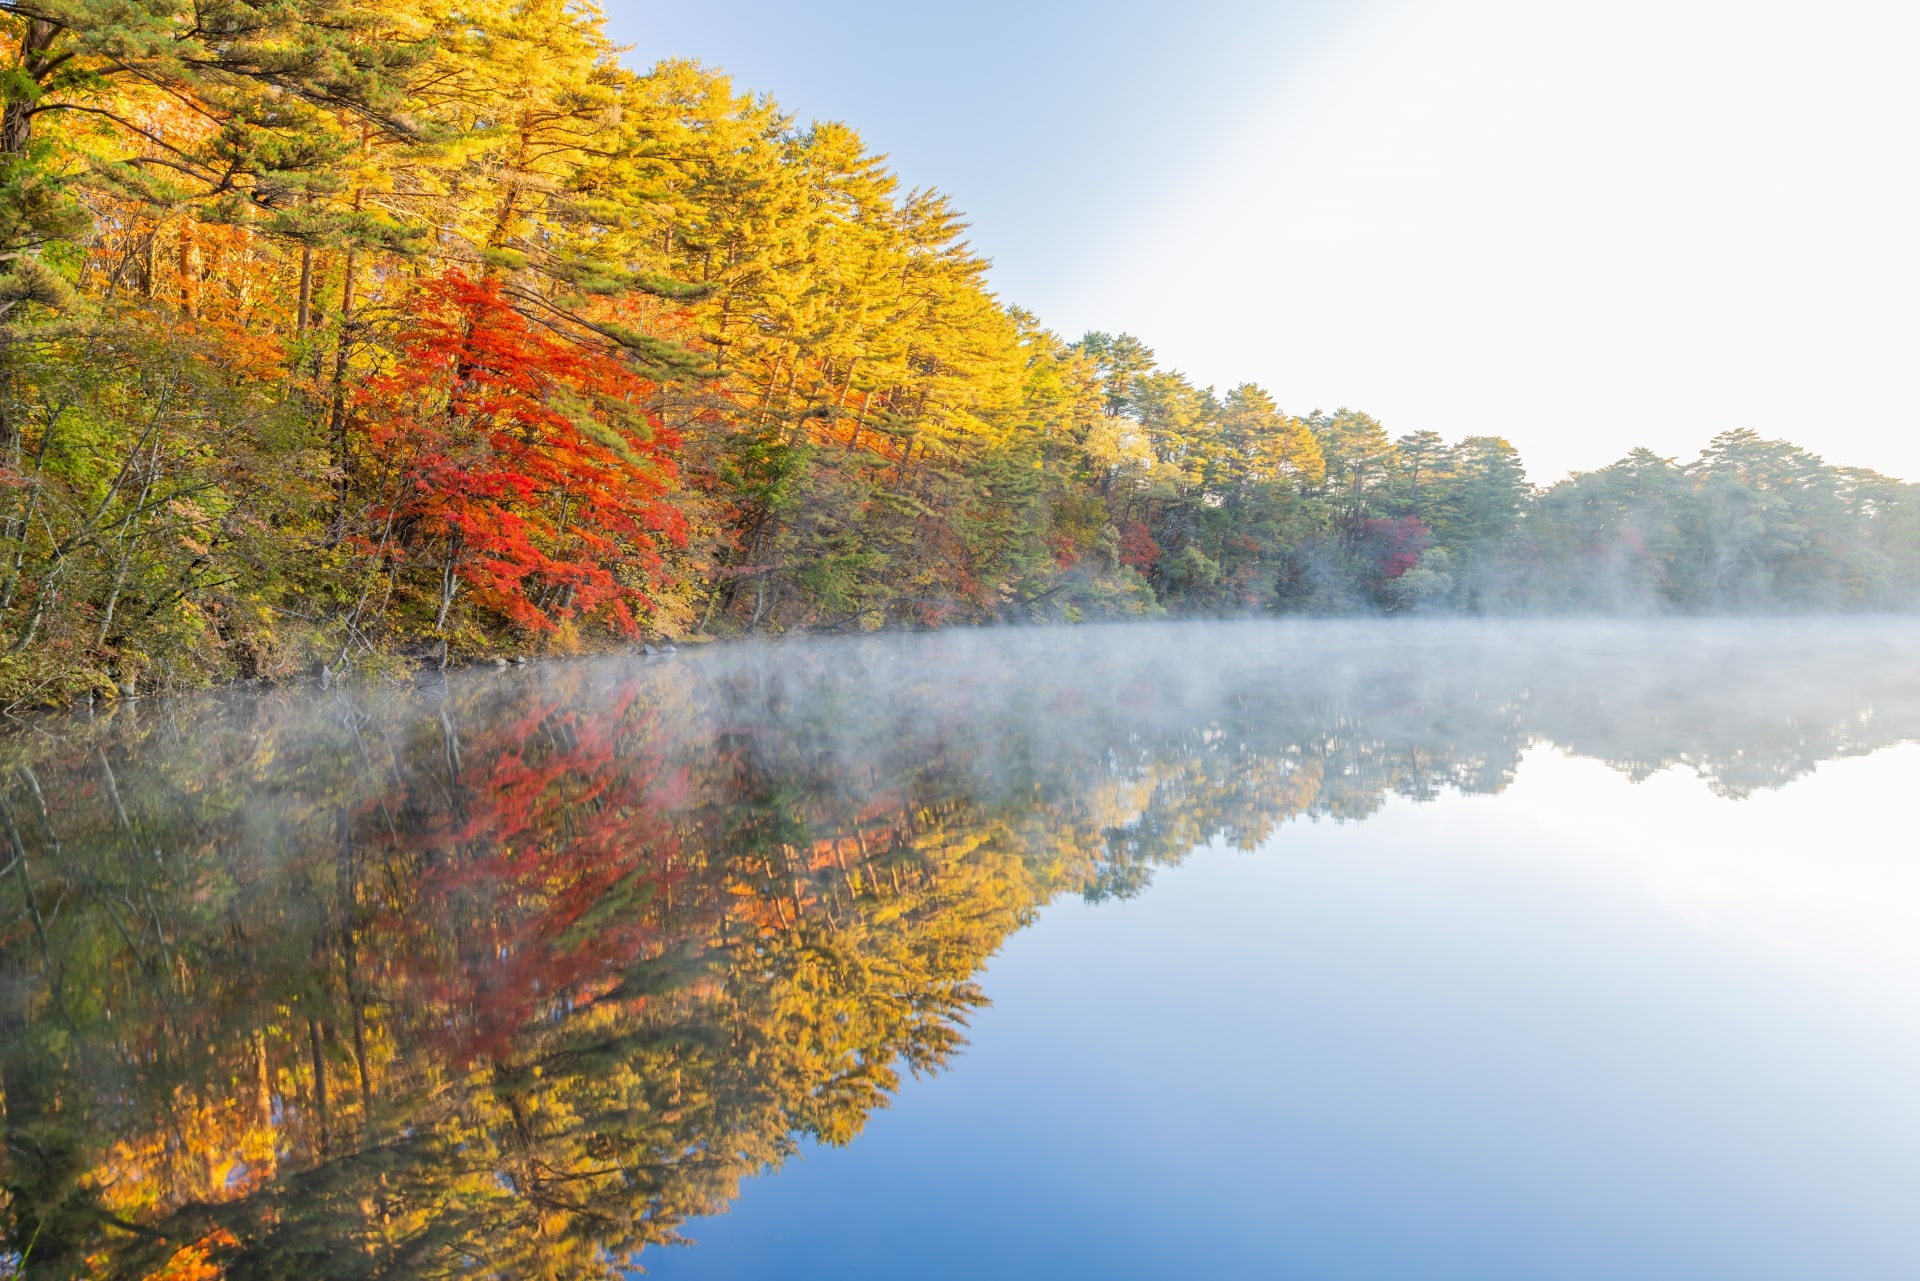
x=1581 y=227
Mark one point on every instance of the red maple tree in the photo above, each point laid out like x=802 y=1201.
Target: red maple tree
x=525 y=465
x=1137 y=548
x=1393 y=546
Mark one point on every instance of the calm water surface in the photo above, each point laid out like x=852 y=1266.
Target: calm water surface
x=1249 y=950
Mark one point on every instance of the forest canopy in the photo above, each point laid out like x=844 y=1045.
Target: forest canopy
x=344 y=332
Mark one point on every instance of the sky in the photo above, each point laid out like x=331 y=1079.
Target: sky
x=1582 y=227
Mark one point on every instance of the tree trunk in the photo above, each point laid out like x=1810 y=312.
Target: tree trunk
x=16 y=120
x=129 y=528
x=449 y=581
x=305 y=315
x=337 y=425
x=189 y=271
x=316 y=1039
x=263 y=1084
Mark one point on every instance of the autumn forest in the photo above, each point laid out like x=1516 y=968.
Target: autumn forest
x=347 y=334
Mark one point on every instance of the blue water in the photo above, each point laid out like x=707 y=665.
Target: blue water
x=1449 y=949
x=1585 y=1028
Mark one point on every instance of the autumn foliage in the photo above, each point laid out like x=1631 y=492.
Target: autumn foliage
x=526 y=469
x=1394 y=546
x=342 y=334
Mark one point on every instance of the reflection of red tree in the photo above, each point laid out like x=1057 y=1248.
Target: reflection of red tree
x=567 y=849
x=546 y=877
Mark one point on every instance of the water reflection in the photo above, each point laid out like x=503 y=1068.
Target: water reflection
x=513 y=976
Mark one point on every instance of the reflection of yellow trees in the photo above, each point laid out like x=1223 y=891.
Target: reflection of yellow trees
x=513 y=979
x=510 y=1000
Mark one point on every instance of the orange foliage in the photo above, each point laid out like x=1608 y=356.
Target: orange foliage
x=196 y=1262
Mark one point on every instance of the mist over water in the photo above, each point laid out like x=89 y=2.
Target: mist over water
x=523 y=973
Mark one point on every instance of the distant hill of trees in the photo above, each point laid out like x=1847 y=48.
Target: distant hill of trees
x=351 y=329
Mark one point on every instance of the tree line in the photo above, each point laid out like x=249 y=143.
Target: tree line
x=341 y=333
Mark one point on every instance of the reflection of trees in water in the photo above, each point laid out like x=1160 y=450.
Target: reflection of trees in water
x=514 y=977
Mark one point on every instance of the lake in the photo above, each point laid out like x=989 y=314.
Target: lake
x=1265 y=949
